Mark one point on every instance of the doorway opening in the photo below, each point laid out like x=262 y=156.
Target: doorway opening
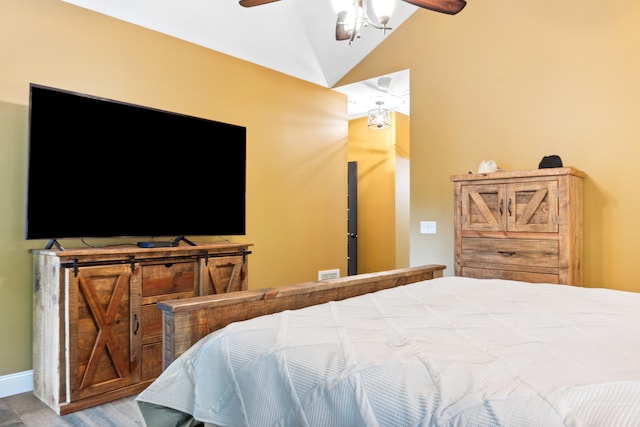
x=381 y=157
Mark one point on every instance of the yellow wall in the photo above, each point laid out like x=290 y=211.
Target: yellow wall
x=503 y=80
x=383 y=239
x=296 y=141
x=514 y=81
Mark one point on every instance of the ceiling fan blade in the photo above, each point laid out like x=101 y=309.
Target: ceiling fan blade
x=251 y=3
x=450 y=7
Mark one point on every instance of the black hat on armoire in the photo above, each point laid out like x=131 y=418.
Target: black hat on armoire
x=552 y=161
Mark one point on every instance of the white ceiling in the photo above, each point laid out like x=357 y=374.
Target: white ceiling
x=295 y=37
x=364 y=95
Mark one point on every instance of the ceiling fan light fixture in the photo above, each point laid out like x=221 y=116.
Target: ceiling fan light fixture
x=383 y=9
x=341 y=5
x=354 y=14
x=379 y=118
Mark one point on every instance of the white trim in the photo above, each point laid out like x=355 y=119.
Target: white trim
x=67 y=348
x=20 y=382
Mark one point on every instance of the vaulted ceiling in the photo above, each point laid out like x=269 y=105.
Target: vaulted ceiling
x=295 y=37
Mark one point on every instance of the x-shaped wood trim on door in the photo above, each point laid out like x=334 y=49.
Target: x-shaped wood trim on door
x=106 y=338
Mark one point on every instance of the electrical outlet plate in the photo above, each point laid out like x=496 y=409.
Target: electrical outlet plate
x=427 y=227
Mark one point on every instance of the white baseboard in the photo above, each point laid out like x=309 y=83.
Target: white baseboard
x=20 y=382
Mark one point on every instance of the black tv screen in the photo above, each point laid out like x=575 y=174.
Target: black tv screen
x=102 y=168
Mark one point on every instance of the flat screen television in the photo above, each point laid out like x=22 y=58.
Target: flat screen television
x=103 y=168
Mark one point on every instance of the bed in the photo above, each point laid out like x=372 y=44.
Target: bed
x=449 y=351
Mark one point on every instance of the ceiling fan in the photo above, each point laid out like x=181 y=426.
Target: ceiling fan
x=352 y=14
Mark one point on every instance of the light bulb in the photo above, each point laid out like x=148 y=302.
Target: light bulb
x=383 y=10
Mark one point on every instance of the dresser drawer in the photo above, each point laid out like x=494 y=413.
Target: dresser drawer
x=161 y=282
x=511 y=254
x=522 y=276
x=151 y=324
x=170 y=279
x=151 y=360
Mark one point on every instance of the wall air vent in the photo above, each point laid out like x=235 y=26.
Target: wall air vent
x=329 y=274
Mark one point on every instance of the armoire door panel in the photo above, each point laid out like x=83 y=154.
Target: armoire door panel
x=483 y=207
x=533 y=207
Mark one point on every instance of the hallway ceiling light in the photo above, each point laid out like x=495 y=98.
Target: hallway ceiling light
x=379 y=118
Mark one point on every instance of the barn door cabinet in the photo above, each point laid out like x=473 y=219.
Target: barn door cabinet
x=97 y=330
x=520 y=225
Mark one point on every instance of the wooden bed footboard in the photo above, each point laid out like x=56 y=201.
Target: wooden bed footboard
x=185 y=321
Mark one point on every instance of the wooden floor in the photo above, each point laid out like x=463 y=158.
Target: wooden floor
x=26 y=410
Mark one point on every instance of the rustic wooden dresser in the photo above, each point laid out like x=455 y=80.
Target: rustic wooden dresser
x=520 y=225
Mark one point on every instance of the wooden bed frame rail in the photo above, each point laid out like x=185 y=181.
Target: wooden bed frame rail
x=185 y=321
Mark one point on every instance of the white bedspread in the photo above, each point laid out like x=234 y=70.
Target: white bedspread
x=445 y=352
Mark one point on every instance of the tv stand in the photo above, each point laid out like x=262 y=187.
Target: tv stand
x=164 y=243
x=97 y=333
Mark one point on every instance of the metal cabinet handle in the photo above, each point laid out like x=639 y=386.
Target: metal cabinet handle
x=507 y=253
x=136 y=322
x=509 y=207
